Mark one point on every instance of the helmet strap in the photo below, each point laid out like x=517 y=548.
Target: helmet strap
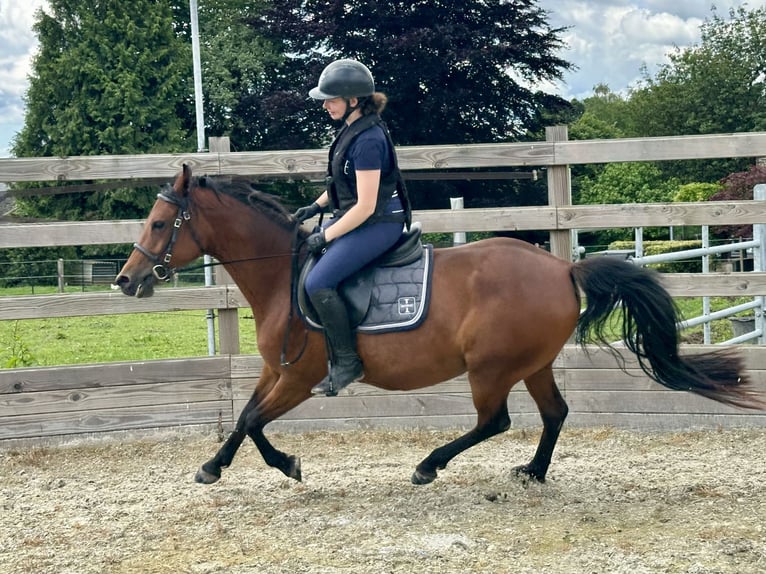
x=349 y=108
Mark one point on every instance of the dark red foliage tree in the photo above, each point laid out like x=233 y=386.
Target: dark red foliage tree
x=455 y=71
x=738 y=186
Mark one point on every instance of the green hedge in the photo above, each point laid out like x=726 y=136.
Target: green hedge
x=693 y=265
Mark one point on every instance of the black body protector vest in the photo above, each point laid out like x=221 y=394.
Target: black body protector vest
x=341 y=188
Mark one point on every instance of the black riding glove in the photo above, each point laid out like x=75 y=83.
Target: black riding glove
x=316 y=242
x=304 y=213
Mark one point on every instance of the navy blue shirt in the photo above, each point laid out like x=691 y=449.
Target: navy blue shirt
x=369 y=151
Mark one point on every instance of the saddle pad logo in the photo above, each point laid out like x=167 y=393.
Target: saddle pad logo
x=407 y=305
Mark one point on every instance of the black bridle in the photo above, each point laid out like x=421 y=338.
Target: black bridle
x=162 y=270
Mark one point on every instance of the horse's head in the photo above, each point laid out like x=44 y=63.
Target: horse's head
x=166 y=242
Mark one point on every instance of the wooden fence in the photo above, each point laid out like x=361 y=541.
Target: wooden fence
x=73 y=400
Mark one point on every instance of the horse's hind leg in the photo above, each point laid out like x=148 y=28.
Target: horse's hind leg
x=553 y=410
x=493 y=418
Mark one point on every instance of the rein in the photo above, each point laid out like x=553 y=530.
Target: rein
x=227 y=262
x=294 y=270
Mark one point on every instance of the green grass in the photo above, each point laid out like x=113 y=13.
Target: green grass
x=690 y=307
x=110 y=338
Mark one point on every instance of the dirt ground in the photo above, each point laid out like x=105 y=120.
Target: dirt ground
x=615 y=502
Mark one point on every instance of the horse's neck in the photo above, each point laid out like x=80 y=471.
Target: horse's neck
x=256 y=254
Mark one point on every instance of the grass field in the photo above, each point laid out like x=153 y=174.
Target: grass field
x=107 y=338
x=146 y=336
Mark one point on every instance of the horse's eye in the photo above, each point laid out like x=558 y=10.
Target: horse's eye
x=157 y=225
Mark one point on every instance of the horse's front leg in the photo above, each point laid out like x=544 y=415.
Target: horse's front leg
x=285 y=395
x=210 y=472
x=265 y=406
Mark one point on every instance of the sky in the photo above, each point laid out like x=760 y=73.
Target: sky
x=609 y=41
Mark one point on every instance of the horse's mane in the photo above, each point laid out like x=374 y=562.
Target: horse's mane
x=242 y=190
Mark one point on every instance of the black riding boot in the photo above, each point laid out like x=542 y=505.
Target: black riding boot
x=345 y=364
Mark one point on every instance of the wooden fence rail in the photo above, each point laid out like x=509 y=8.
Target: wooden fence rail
x=581 y=217
x=41 y=403
x=78 y=400
x=301 y=163
x=223 y=297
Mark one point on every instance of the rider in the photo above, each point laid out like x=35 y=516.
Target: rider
x=369 y=207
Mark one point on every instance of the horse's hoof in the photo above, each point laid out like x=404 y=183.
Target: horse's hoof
x=526 y=473
x=205 y=477
x=419 y=477
x=294 y=471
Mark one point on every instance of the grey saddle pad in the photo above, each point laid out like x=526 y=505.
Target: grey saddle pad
x=382 y=299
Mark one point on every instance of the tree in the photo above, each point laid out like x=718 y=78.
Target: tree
x=454 y=71
x=108 y=79
x=235 y=67
x=636 y=182
x=717 y=86
x=602 y=117
x=738 y=187
x=605 y=115
x=696 y=191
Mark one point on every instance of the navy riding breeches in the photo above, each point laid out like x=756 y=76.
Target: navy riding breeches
x=350 y=252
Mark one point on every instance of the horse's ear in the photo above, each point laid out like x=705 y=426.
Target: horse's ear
x=183 y=182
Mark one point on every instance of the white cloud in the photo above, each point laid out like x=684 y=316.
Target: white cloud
x=17 y=47
x=662 y=28
x=611 y=40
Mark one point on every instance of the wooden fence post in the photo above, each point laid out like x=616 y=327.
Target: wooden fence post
x=228 y=319
x=559 y=194
x=60 y=274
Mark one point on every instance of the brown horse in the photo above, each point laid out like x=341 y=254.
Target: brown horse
x=501 y=310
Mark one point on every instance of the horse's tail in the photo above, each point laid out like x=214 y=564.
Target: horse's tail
x=649 y=317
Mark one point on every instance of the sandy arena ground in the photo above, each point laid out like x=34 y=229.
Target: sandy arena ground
x=615 y=502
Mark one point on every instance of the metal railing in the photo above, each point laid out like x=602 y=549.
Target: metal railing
x=708 y=316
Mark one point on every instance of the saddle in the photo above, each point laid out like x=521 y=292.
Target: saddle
x=389 y=294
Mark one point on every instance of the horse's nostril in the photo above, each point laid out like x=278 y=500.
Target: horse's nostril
x=121 y=282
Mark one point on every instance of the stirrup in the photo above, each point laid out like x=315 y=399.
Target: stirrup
x=330 y=388
x=326 y=387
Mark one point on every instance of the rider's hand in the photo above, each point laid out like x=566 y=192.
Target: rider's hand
x=304 y=213
x=316 y=242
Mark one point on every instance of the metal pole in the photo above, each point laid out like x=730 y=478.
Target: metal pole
x=200 y=148
x=197 y=77
x=759 y=263
x=458 y=238
x=706 y=269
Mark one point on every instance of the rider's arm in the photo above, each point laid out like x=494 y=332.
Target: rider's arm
x=367 y=183
x=323 y=200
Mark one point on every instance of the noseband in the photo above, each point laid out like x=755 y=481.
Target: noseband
x=162 y=270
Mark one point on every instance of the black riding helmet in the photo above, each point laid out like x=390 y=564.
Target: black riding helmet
x=344 y=79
